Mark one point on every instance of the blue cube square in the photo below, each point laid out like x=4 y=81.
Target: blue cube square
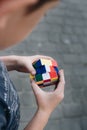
x=43 y=69
x=37 y=64
x=56 y=69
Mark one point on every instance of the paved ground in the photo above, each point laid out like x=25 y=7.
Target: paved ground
x=62 y=34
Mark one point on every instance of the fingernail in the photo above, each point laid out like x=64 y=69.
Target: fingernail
x=33 y=72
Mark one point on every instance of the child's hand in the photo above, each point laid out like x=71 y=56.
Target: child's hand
x=24 y=63
x=47 y=101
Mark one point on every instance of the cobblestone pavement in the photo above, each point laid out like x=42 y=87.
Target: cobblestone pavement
x=62 y=34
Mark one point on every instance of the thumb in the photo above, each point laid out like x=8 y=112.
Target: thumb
x=31 y=69
x=36 y=88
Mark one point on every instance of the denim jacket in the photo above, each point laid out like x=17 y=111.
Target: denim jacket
x=9 y=101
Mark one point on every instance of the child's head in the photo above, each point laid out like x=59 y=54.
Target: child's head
x=18 y=18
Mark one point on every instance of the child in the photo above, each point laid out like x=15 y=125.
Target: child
x=17 y=19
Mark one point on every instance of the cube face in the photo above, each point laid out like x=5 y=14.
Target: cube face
x=47 y=72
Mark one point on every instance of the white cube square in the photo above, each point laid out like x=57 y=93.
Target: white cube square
x=46 y=76
x=47 y=68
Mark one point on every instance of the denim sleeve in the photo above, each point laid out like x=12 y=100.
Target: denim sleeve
x=10 y=102
x=3 y=120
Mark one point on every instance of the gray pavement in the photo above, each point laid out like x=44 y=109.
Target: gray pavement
x=62 y=34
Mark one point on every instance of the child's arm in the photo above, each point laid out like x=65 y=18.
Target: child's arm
x=21 y=63
x=9 y=61
x=39 y=121
x=46 y=102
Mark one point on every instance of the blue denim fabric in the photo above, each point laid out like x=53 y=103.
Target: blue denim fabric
x=9 y=99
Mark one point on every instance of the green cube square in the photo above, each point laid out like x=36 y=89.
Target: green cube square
x=34 y=65
x=38 y=77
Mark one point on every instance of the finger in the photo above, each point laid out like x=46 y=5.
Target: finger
x=37 y=57
x=35 y=88
x=61 y=84
x=62 y=78
x=42 y=56
x=31 y=69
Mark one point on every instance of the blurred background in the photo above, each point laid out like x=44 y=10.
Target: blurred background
x=62 y=34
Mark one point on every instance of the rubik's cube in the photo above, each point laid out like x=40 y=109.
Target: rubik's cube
x=47 y=72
